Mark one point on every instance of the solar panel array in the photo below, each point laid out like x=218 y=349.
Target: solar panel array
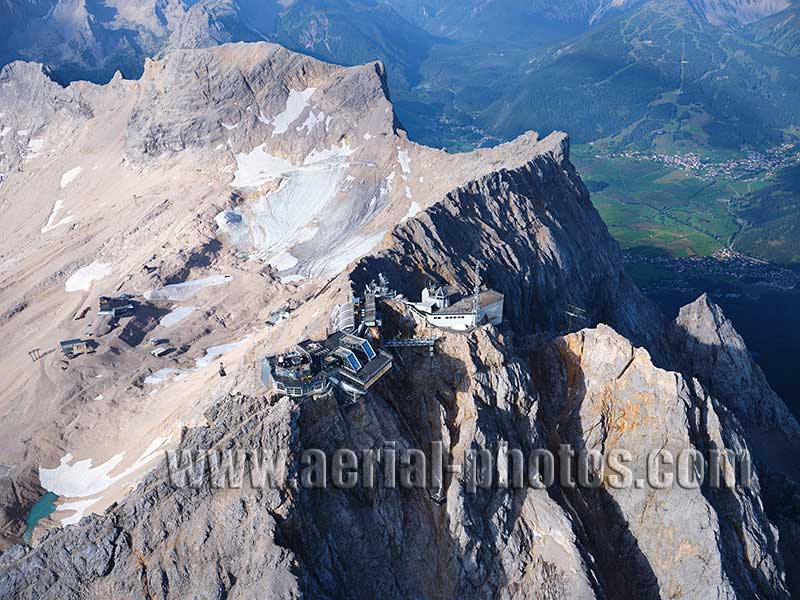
x=367 y=348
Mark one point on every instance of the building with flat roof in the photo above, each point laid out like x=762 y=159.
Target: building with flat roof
x=472 y=311
x=342 y=362
x=73 y=348
x=118 y=307
x=445 y=307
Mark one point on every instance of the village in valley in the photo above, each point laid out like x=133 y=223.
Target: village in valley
x=725 y=266
x=764 y=164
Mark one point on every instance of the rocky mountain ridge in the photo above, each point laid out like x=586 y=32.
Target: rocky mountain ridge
x=425 y=45
x=568 y=543
x=206 y=146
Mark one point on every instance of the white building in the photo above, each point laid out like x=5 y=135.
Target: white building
x=462 y=315
x=434 y=299
x=443 y=308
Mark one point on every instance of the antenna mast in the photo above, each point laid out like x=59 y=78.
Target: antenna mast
x=477 y=290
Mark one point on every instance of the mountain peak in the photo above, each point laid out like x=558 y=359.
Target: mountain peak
x=708 y=347
x=737 y=12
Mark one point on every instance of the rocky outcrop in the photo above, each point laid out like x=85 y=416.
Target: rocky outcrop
x=318 y=543
x=707 y=347
x=168 y=543
x=539 y=241
x=253 y=114
x=592 y=389
x=680 y=541
x=184 y=98
x=27 y=92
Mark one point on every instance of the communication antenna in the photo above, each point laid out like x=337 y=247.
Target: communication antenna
x=576 y=316
x=477 y=290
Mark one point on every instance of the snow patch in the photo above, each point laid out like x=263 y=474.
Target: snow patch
x=187 y=289
x=51 y=221
x=350 y=251
x=405 y=160
x=257 y=167
x=312 y=121
x=272 y=224
x=412 y=210
x=79 y=508
x=5 y=132
x=388 y=183
x=35 y=147
x=70 y=176
x=81 y=479
x=166 y=374
x=82 y=279
x=217 y=351
x=228 y=126
x=283 y=261
x=292 y=279
x=296 y=103
x=176 y=315
x=328 y=154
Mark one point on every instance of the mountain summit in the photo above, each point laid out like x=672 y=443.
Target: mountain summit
x=227 y=203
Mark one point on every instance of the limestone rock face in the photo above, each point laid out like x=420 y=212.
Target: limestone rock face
x=538 y=239
x=319 y=543
x=592 y=389
x=710 y=349
x=692 y=542
x=280 y=182
x=168 y=543
x=34 y=100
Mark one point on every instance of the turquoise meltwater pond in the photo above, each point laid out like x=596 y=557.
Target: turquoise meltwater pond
x=43 y=507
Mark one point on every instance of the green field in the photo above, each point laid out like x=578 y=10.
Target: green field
x=653 y=209
x=773 y=212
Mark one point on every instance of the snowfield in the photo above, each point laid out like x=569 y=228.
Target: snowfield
x=256 y=168
x=217 y=352
x=165 y=375
x=210 y=355
x=272 y=225
x=187 y=289
x=82 y=279
x=412 y=211
x=80 y=479
x=312 y=120
x=296 y=103
x=405 y=160
x=177 y=315
x=70 y=176
x=35 y=148
x=342 y=256
x=79 y=508
x=51 y=221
